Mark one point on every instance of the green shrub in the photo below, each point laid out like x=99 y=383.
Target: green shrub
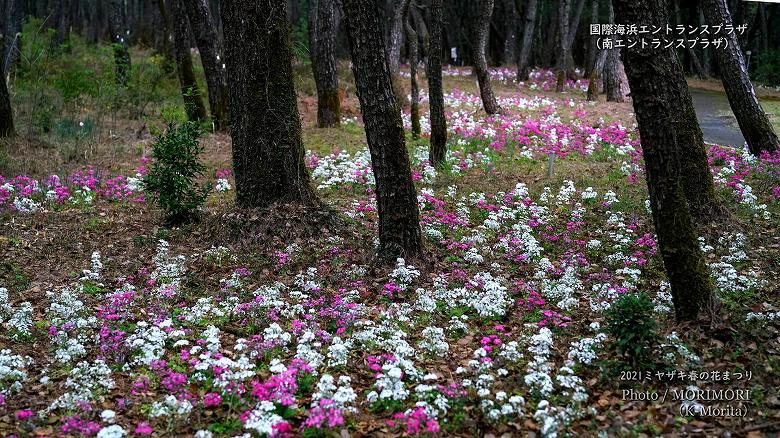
x=767 y=70
x=633 y=328
x=172 y=179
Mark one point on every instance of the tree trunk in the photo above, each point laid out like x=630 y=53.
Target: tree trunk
x=574 y=26
x=655 y=77
x=482 y=28
x=592 y=46
x=64 y=20
x=167 y=50
x=564 y=11
x=268 y=154
x=193 y=102
x=396 y=35
x=205 y=31
x=512 y=24
x=615 y=81
x=119 y=33
x=394 y=47
x=6 y=113
x=12 y=33
x=323 y=62
x=438 y=148
x=399 y=223
x=755 y=126
x=412 y=47
x=523 y=59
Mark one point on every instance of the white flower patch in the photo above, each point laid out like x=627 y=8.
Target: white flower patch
x=538 y=375
x=336 y=170
x=404 y=275
x=222 y=185
x=93 y=274
x=112 y=431
x=585 y=350
x=86 y=382
x=12 y=371
x=434 y=341
x=338 y=352
x=148 y=341
x=663 y=299
x=171 y=407
x=564 y=289
x=20 y=321
x=389 y=384
x=680 y=349
x=342 y=395
x=262 y=419
x=168 y=270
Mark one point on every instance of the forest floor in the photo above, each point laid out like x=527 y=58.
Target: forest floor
x=279 y=322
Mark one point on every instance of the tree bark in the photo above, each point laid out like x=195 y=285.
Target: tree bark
x=399 y=224
x=755 y=126
x=482 y=28
x=6 y=112
x=193 y=102
x=592 y=46
x=12 y=32
x=438 y=148
x=655 y=77
x=268 y=154
x=396 y=35
x=615 y=81
x=512 y=24
x=523 y=59
x=205 y=31
x=323 y=63
x=64 y=20
x=413 y=53
x=564 y=11
x=119 y=34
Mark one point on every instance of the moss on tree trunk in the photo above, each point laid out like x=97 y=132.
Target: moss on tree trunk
x=651 y=74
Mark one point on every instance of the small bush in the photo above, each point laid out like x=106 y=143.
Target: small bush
x=172 y=179
x=633 y=328
x=767 y=70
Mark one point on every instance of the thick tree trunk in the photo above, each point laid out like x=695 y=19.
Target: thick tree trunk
x=268 y=154
x=193 y=102
x=615 y=81
x=752 y=119
x=413 y=53
x=481 y=31
x=574 y=26
x=166 y=50
x=563 y=56
x=655 y=77
x=593 y=39
x=119 y=34
x=523 y=59
x=399 y=222
x=438 y=148
x=207 y=39
x=396 y=35
x=512 y=24
x=12 y=32
x=6 y=112
x=323 y=63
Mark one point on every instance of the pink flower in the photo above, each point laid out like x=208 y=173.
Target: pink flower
x=143 y=428
x=212 y=399
x=24 y=414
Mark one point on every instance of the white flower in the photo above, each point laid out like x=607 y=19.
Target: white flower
x=113 y=431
